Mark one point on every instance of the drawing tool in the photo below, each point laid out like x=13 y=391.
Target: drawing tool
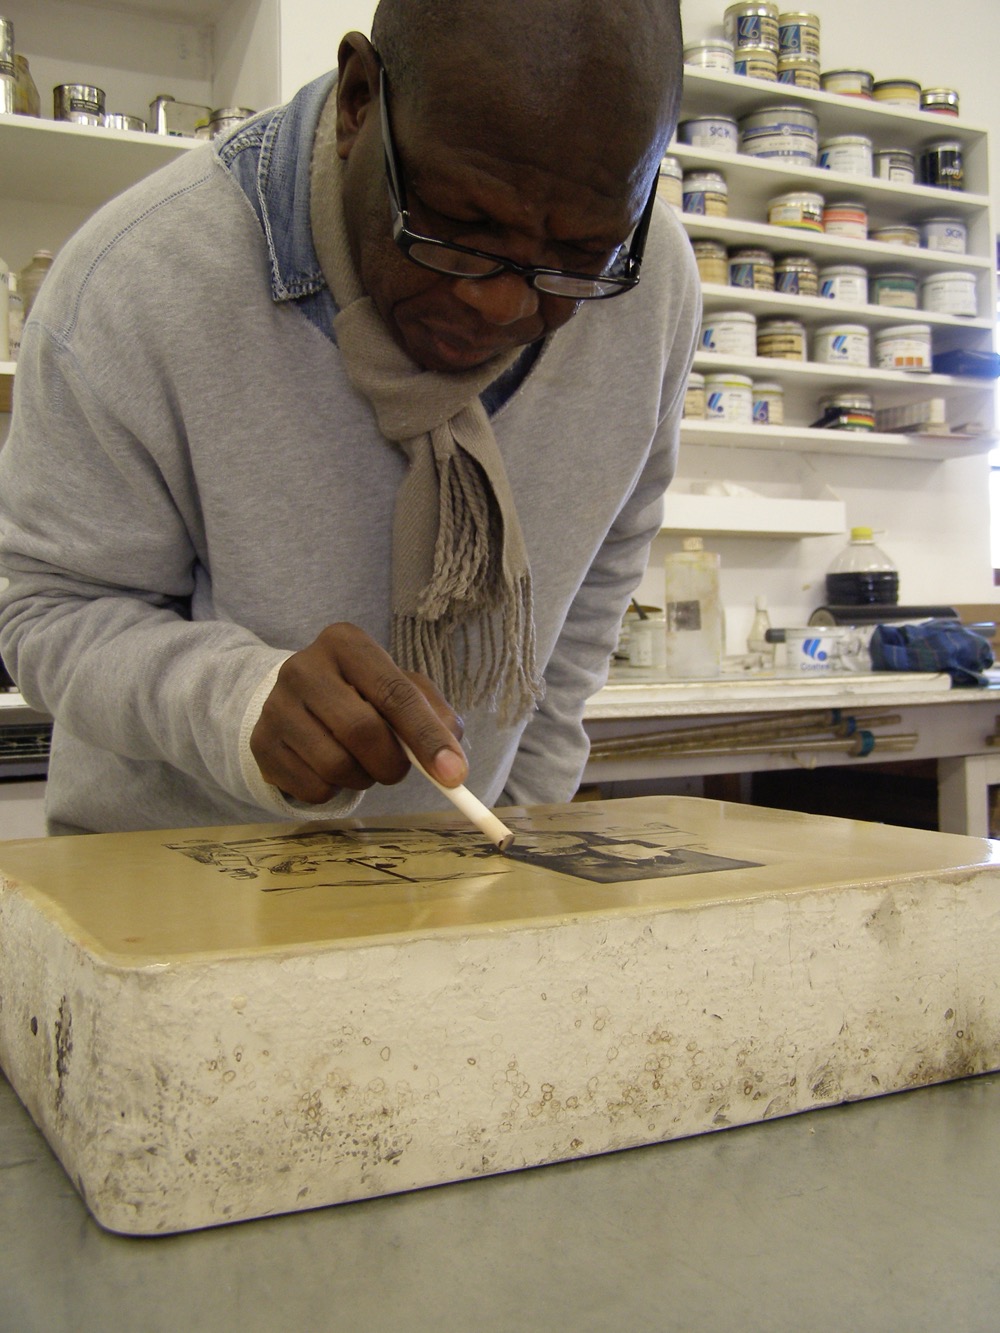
x=471 y=806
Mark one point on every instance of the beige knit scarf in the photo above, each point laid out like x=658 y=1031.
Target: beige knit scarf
x=461 y=585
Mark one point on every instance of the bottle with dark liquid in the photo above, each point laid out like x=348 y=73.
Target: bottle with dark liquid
x=862 y=575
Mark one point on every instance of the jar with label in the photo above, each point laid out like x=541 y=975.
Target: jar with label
x=853 y=410
x=712 y=261
x=787 y=134
x=943 y=101
x=897 y=92
x=904 y=347
x=712 y=53
x=798 y=34
x=844 y=282
x=799 y=73
x=729 y=333
x=798 y=208
x=947 y=234
x=950 y=293
x=81 y=103
x=751 y=25
x=693 y=611
x=756 y=62
x=694 y=397
x=848 y=82
x=705 y=192
x=842 y=345
x=784 y=339
x=796 y=275
x=719 y=133
x=31 y=277
x=895 y=164
x=27 y=99
x=850 y=154
x=768 y=403
x=897 y=289
x=647 y=640
x=752 y=269
x=846 y=219
x=898 y=234
x=669 y=185
x=942 y=165
x=729 y=398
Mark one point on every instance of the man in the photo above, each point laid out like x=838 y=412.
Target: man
x=319 y=437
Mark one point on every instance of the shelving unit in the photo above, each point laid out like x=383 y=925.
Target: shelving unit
x=752 y=183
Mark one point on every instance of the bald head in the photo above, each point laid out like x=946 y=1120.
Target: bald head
x=542 y=66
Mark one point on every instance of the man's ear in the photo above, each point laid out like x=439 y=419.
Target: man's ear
x=357 y=88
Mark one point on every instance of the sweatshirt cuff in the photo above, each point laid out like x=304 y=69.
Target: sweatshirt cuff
x=264 y=794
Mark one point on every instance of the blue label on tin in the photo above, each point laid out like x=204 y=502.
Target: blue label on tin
x=741 y=275
x=790 y=39
x=786 y=282
x=749 y=31
x=828 y=288
x=714 y=404
x=761 y=414
x=708 y=340
x=695 y=202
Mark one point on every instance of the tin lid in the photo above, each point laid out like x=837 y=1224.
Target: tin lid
x=786 y=110
x=709 y=44
x=941 y=146
x=844 y=270
x=715 y=178
x=860 y=140
x=730 y=316
x=749 y=11
x=897 y=229
x=707 y=247
x=669 y=166
x=798 y=61
x=796 y=262
x=961 y=275
x=779 y=325
x=854 y=205
x=832 y=330
x=797 y=15
x=847 y=73
x=799 y=197
x=708 y=120
x=895 y=275
x=895 y=152
x=848 y=398
x=695 y=380
x=903 y=331
x=897 y=83
x=939 y=96
x=767 y=386
x=761 y=256
x=943 y=222
x=731 y=378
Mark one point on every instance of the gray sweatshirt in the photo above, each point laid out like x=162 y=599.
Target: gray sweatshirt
x=191 y=490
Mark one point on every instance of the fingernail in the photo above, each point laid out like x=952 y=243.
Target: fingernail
x=449 y=767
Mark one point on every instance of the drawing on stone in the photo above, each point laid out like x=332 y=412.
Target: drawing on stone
x=572 y=843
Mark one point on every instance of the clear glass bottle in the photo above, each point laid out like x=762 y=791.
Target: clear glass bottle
x=862 y=574
x=757 y=643
x=693 y=612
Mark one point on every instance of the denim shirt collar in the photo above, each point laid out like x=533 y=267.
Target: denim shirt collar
x=270 y=157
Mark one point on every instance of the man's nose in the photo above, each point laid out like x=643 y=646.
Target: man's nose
x=503 y=299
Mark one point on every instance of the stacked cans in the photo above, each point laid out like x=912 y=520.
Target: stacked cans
x=774 y=46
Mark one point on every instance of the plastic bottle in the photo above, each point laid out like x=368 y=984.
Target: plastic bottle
x=693 y=612
x=862 y=575
x=31 y=276
x=756 y=640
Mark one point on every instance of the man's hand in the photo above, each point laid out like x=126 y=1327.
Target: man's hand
x=329 y=721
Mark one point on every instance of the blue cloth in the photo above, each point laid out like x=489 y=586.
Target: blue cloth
x=937 y=645
x=270 y=157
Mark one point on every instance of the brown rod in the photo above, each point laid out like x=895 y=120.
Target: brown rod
x=771 y=728
x=763 y=745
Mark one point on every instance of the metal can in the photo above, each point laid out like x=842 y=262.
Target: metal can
x=168 y=116
x=796 y=275
x=944 y=101
x=694 y=397
x=848 y=153
x=895 y=164
x=711 y=260
x=844 y=282
x=848 y=82
x=8 y=63
x=705 y=192
x=798 y=34
x=846 y=219
x=751 y=25
x=798 y=73
x=948 y=234
x=227 y=118
x=951 y=293
x=842 y=345
x=729 y=397
x=899 y=233
x=669 y=186
x=768 y=403
x=712 y=53
x=753 y=269
x=799 y=208
x=897 y=289
x=784 y=339
x=789 y=134
x=756 y=62
x=904 y=347
x=897 y=92
x=82 y=103
x=116 y=121
x=851 y=410
x=941 y=165
x=729 y=332
x=719 y=133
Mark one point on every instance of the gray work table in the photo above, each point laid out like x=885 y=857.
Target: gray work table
x=879 y=1215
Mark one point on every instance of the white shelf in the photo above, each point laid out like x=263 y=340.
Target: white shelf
x=760 y=516
x=805 y=440
x=817 y=310
x=55 y=162
x=894 y=386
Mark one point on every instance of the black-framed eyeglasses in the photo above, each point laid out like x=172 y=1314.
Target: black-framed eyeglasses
x=461 y=261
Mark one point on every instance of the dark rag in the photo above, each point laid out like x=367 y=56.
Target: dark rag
x=937 y=645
